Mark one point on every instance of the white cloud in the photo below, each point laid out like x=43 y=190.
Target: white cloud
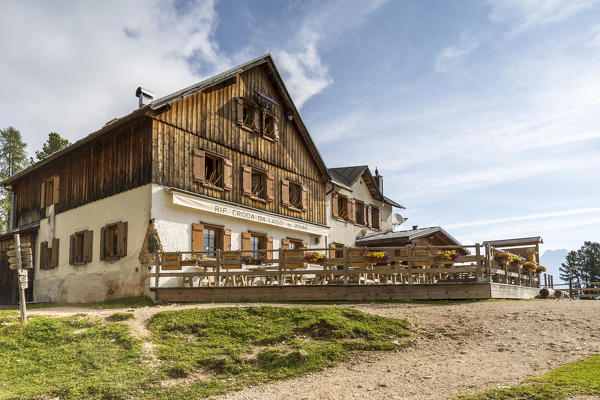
x=536 y=216
x=71 y=66
x=527 y=14
x=451 y=56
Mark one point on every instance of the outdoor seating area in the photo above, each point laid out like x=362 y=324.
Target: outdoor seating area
x=406 y=265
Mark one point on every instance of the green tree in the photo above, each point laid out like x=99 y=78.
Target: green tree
x=587 y=261
x=13 y=159
x=52 y=145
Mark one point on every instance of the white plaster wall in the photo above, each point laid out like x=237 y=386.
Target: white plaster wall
x=97 y=280
x=346 y=232
x=174 y=225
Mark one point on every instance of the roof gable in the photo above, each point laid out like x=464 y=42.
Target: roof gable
x=347 y=176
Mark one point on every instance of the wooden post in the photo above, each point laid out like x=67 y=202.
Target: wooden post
x=545 y=279
x=410 y=271
x=22 y=305
x=488 y=260
x=218 y=268
x=479 y=272
x=505 y=273
x=552 y=281
x=280 y=270
x=156 y=277
x=346 y=265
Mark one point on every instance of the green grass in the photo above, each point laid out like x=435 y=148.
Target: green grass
x=577 y=378
x=70 y=358
x=127 y=302
x=119 y=316
x=237 y=347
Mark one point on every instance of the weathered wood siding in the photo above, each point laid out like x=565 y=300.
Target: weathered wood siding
x=207 y=120
x=113 y=163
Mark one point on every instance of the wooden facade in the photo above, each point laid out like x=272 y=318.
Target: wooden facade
x=9 y=293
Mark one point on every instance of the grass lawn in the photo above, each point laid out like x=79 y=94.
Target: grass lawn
x=201 y=352
x=577 y=378
x=127 y=302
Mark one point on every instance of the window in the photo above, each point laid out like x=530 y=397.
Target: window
x=342 y=206
x=49 y=255
x=247 y=115
x=375 y=217
x=360 y=212
x=113 y=241
x=50 y=192
x=254 y=241
x=210 y=238
x=257 y=184
x=212 y=170
x=294 y=195
x=255 y=244
x=80 y=251
x=270 y=125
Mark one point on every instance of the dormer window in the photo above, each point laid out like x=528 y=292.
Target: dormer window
x=248 y=115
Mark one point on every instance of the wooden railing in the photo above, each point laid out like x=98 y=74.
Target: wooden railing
x=342 y=266
x=580 y=289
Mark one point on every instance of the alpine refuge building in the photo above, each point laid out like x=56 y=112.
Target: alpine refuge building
x=224 y=164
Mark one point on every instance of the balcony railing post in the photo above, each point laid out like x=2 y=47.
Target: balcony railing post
x=218 y=268
x=479 y=273
x=410 y=265
x=488 y=260
x=280 y=270
x=346 y=264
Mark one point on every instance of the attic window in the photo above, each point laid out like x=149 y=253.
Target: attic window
x=296 y=195
x=247 y=115
x=343 y=207
x=270 y=125
x=257 y=184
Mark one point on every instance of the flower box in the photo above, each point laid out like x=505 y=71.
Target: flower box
x=377 y=256
x=249 y=260
x=446 y=256
x=315 y=258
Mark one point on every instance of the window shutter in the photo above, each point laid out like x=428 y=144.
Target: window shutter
x=352 y=210
x=227 y=172
x=56 y=191
x=88 y=244
x=246 y=236
x=197 y=237
x=226 y=240
x=246 y=180
x=368 y=214
x=43 y=196
x=72 y=250
x=285 y=193
x=269 y=245
x=103 y=243
x=54 y=254
x=332 y=252
x=269 y=187
x=256 y=119
x=44 y=255
x=122 y=239
x=276 y=128
x=334 y=205
x=304 y=197
x=198 y=165
x=240 y=110
x=285 y=244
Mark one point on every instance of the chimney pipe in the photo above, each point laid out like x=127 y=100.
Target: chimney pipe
x=415 y=227
x=144 y=95
x=379 y=180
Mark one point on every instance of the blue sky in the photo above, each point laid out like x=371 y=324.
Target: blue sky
x=483 y=117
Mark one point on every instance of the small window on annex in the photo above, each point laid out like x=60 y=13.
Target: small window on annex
x=343 y=207
x=375 y=217
x=80 y=251
x=113 y=241
x=360 y=212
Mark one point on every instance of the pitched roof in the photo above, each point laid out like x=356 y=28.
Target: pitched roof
x=163 y=104
x=515 y=242
x=409 y=234
x=347 y=176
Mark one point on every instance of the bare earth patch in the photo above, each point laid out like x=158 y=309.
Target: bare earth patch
x=459 y=348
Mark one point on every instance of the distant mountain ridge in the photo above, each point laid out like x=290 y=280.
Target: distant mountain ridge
x=552 y=259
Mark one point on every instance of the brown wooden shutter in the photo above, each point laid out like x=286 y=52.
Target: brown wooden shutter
x=122 y=239
x=285 y=193
x=240 y=111
x=72 y=250
x=54 y=254
x=246 y=180
x=246 y=236
x=197 y=237
x=369 y=219
x=276 y=128
x=332 y=252
x=44 y=255
x=227 y=174
x=256 y=119
x=304 y=197
x=56 y=191
x=285 y=244
x=103 y=243
x=226 y=240
x=352 y=210
x=198 y=165
x=270 y=194
x=88 y=245
x=269 y=246
x=334 y=205
x=43 y=196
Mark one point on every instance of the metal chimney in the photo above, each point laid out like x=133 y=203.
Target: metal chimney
x=144 y=95
x=379 y=180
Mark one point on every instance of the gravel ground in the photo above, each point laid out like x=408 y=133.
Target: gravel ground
x=458 y=348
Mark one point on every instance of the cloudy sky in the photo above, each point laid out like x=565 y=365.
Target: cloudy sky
x=483 y=117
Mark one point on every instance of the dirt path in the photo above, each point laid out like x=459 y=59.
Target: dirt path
x=458 y=348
